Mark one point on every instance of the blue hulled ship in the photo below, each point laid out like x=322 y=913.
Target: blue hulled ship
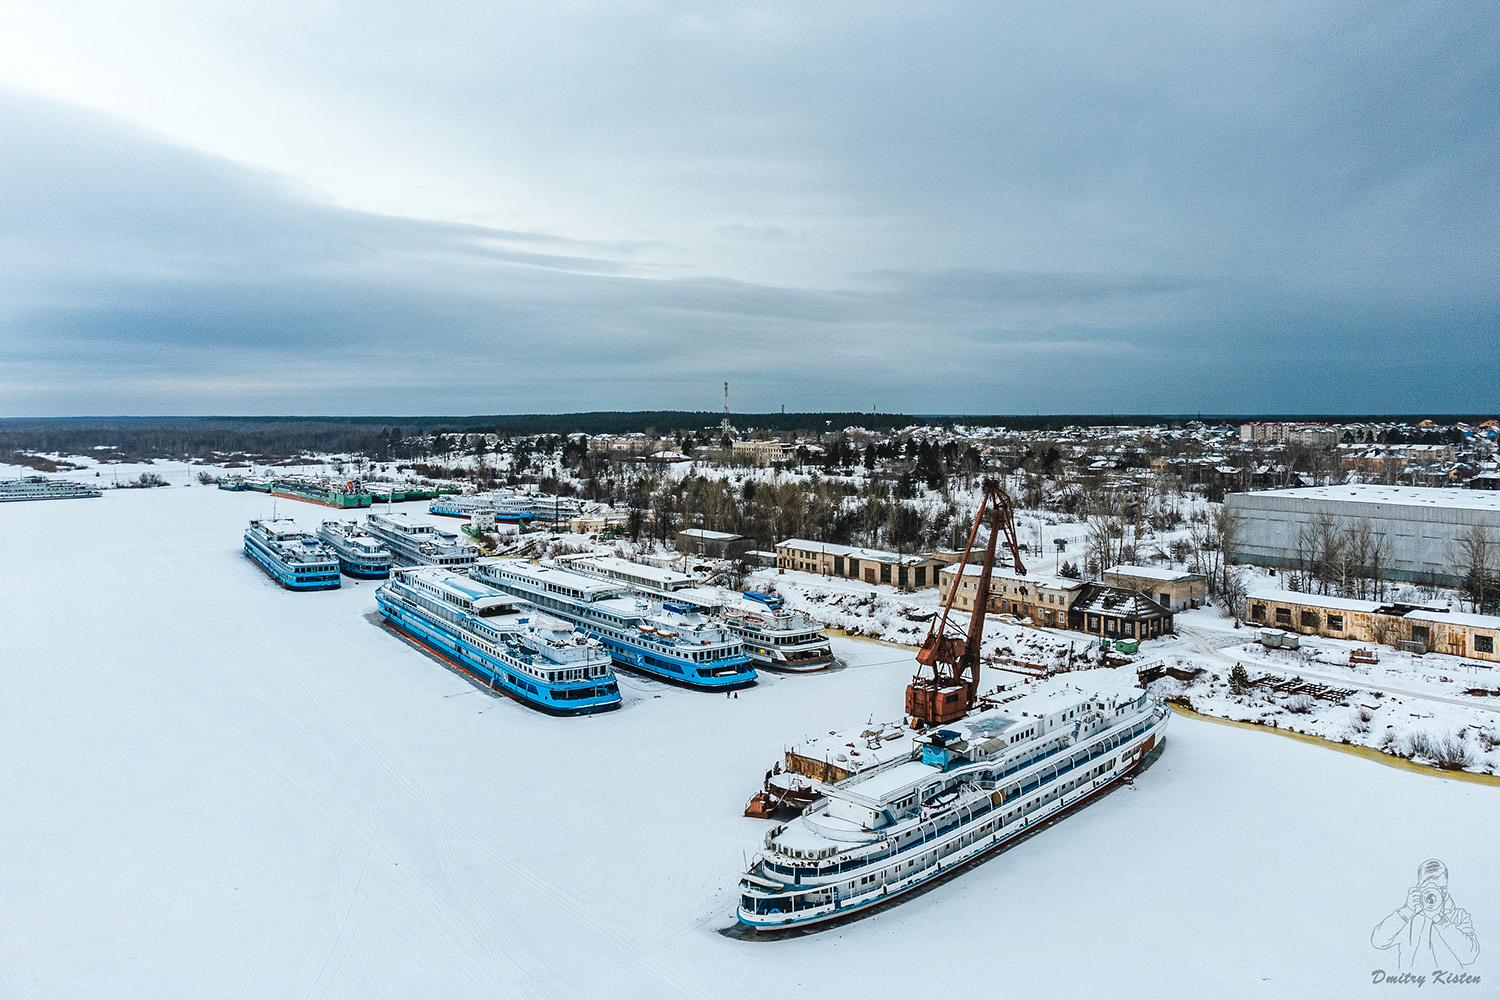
x=671 y=641
x=358 y=554
x=501 y=641
x=291 y=556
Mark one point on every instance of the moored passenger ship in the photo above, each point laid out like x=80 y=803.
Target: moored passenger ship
x=504 y=642
x=358 y=554
x=42 y=488
x=964 y=791
x=507 y=506
x=462 y=505
x=777 y=637
x=291 y=556
x=413 y=543
x=670 y=641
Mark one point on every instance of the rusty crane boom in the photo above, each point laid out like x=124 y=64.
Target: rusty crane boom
x=950 y=652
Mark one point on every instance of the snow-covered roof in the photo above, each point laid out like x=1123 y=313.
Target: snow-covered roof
x=851 y=551
x=1455 y=618
x=624 y=569
x=1410 y=496
x=882 y=783
x=1314 y=600
x=1009 y=576
x=1153 y=573
x=1118 y=602
x=710 y=536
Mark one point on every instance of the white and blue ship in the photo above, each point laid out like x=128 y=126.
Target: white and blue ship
x=463 y=505
x=671 y=641
x=414 y=543
x=777 y=637
x=506 y=506
x=42 y=488
x=501 y=641
x=960 y=793
x=291 y=556
x=358 y=554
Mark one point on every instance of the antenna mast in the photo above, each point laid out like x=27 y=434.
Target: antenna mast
x=725 y=428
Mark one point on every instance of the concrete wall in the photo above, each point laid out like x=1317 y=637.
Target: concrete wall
x=1311 y=616
x=1420 y=540
x=1174 y=595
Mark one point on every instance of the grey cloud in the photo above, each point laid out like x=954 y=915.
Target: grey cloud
x=976 y=207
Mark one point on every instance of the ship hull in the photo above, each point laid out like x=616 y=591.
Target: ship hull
x=642 y=661
x=360 y=573
x=339 y=501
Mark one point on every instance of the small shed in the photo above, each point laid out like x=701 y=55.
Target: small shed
x=714 y=544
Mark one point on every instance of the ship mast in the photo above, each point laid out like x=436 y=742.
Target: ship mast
x=949 y=650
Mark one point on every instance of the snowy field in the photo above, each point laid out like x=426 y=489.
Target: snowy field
x=216 y=788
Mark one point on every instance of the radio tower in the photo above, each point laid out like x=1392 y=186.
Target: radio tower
x=725 y=429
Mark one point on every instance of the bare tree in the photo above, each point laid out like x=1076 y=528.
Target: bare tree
x=1212 y=538
x=1231 y=595
x=1476 y=559
x=1359 y=543
x=1113 y=529
x=1321 y=554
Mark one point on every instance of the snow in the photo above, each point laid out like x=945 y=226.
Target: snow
x=1003 y=573
x=1412 y=496
x=1431 y=696
x=1463 y=618
x=214 y=787
x=1150 y=573
x=882 y=783
x=1316 y=600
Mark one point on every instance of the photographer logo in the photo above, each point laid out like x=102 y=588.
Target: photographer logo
x=1431 y=938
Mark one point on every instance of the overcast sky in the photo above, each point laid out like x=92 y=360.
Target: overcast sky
x=453 y=207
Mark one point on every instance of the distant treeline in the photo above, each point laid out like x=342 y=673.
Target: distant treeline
x=137 y=439
x=270 y=436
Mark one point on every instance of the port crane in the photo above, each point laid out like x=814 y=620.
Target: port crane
x=950 y=651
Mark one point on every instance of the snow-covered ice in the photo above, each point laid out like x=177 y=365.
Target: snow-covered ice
x=213 y=787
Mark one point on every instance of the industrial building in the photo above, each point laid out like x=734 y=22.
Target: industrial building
x=714 y=544
x=1418 y=528
x=1043 y=599
x=909 y=572
x=1057 y=602
x=1415 y=627
x=761 y=452
x=1175 y=590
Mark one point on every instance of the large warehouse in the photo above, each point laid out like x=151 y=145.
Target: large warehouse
x=1420 y=526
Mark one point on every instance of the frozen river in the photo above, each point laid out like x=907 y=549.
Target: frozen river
x=215 y=788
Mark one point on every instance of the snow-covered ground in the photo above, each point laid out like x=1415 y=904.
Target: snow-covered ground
x=1403 y=697
x=880 y=611
x=213 y=787
x=1388 y=705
